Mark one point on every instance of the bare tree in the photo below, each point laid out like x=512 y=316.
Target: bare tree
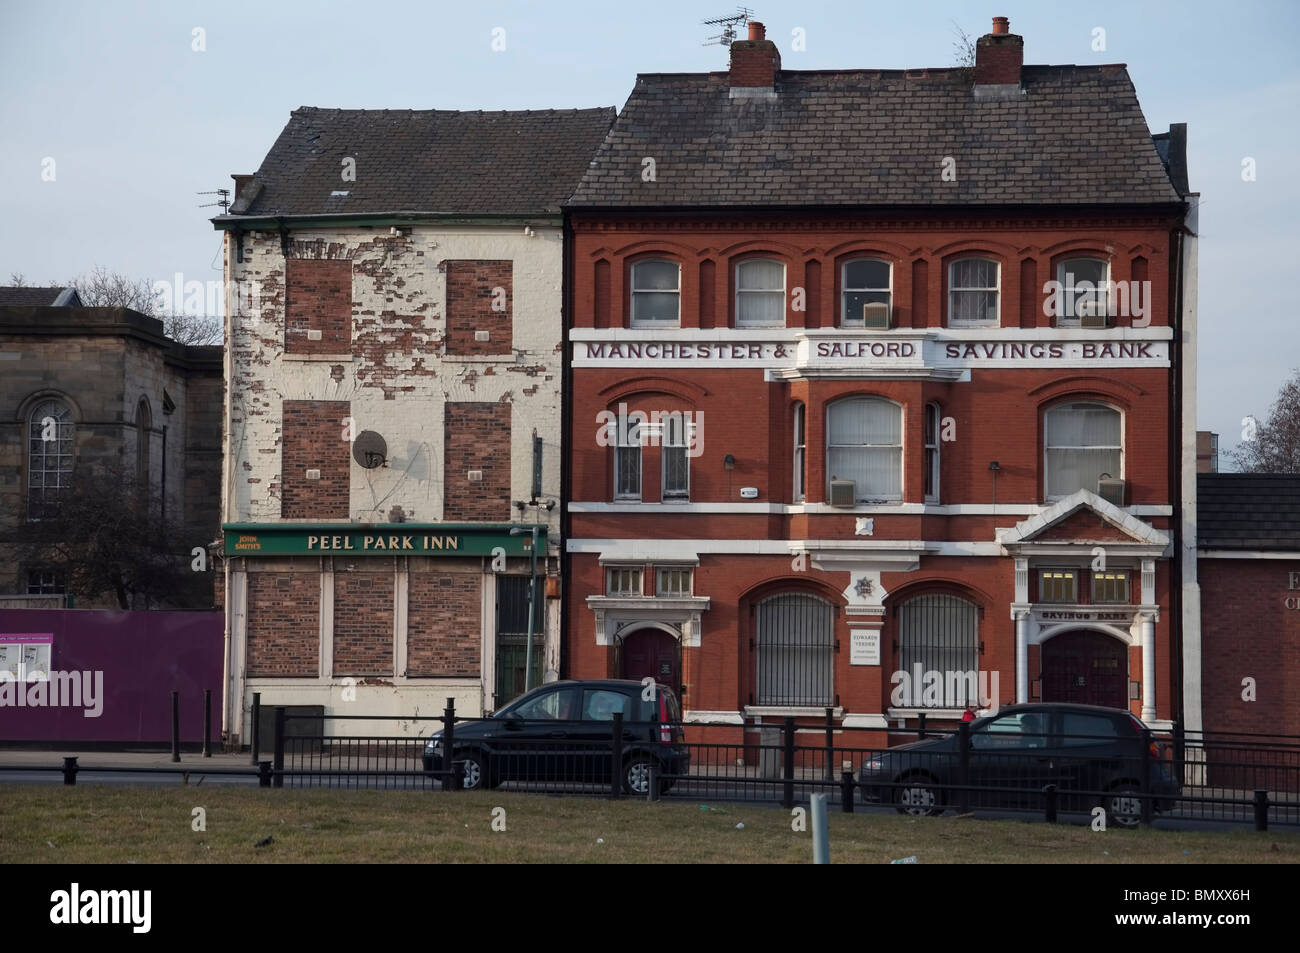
x=963 y=48
x=1273 y=446
x=17 y=280
x=101 y=288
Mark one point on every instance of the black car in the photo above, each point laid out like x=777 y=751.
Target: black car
x=562 y=732
x=1017 y=752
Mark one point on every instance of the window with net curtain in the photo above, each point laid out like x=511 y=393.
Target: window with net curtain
x=940 y=633
x=794 y=644
x=972 y=292
x=760 y=293
x=1084 y=440
x=51 y=436
x=864 y=443
x=656 y=294
x=627 y=461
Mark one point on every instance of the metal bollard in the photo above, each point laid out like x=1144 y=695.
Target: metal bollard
x=846 y=792
x=263 y=774
x=652 y=792
x=1261 y=810
x=70 y=770
x=257 y=726
x=1049 y=798
x=820 y=830
x=616 y=757
x=176 y=726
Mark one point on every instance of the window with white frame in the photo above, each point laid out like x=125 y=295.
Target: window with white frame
x=1083 y=442
x=45 y=582
x=931 y=438
x=1084 y=284
x=656 y=294
x=866 y=281
x=799 y=451
x=864 y=443
x=1110 y=587
x=51 y=437
x=760 y=293
x=794 y=649
x=939 y=632
x=674 y=445
x=673 y=581
x=973 y=285
x=623 y=580
x=627 y=460
x=1058 y=585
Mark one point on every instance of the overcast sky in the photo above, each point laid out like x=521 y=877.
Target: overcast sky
x=138 y=121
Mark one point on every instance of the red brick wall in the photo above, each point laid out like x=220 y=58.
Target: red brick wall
x=443 y=624
x=472 y=300
x=283 y=624
x=313 y=439
x=1247 y=631
x=477 y=437
x=998 y=58
x=1085 y=525
x=318 y=296
x=363 y=623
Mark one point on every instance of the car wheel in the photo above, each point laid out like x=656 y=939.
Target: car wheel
x=918 y=796
x=636 y=775
x=1123 y=806
x=476 y=776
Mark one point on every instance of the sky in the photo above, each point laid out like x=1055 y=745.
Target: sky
x=141 y=106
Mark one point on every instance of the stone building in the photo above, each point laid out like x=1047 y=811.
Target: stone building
x=393 y=409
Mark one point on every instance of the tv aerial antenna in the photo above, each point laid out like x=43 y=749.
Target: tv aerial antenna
x=729 y=26
x=223 y=200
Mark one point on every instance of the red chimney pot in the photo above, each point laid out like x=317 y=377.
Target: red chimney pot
x=757 y=31
x=1001 y=25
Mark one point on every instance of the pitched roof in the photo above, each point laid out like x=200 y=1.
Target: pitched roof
x=1248 y=511
x=879 y=137
x=431 y=161
x=26 y=297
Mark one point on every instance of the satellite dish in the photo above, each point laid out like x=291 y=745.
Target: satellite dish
x=370 y=450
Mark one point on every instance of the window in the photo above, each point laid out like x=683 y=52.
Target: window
x=43 y=582
x=760 y=294
x=1079 y=730
x=864 y=282
x=1084 y=290
x=865 y=444
x=601 y=705
x=50 y=447
x=799 y=447
x=793 y=647
x=623 y=581
x=1110 y=587
x=673 y=582
x=676 y=461
x=972 y=293
x=1083 y=442
x=549 y=706
x=1011 y=732
x=627 y=461
x=1058 y=585
x=939 y=633
x=931 y=439
x=656 y=294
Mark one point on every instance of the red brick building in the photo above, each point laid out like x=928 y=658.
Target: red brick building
x=878 y=372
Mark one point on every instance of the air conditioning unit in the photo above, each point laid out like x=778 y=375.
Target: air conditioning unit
x=844 y=493
x=1111 y=490
x=1092 y=313
x=875 y=314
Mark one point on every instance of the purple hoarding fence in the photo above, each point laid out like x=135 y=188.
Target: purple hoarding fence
x=107 y=675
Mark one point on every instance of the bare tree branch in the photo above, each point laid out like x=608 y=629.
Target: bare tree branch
x=1274 y=447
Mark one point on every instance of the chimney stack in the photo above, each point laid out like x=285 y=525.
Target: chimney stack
x=999 y=56
x=754 y=64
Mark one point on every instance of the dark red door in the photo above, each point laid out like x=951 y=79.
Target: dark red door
x=1087 y=668
x=651 y=653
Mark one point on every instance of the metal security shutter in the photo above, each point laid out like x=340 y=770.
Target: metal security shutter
x=794 y=650
x=940 y=633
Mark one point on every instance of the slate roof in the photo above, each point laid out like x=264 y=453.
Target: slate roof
x=878 y=137
x=27 y=297
x=430 y=161
x=1248 y=511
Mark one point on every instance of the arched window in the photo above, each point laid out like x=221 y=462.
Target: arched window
x=800 y=443
x=865 y=296
x=1084 y=285
x=627 y=458
x=1083 y=442
x=864 y=443
x=143 y=428
x=656 y=294
x=973 y=285
x=931 y=438
x=50 y=452
x=938 y=633
x=760 y=293
x=676 y=444
x=794 y=644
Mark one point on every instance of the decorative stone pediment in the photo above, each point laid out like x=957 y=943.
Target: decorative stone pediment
x=1084 y=519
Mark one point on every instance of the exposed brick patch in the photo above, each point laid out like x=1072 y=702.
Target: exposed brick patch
x=1085 y=525
x=318 y=297
x=283 y=624
x=443 y=611
x=477 y=437
x=363 y=623
x=313 y=439
x=475 y=304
